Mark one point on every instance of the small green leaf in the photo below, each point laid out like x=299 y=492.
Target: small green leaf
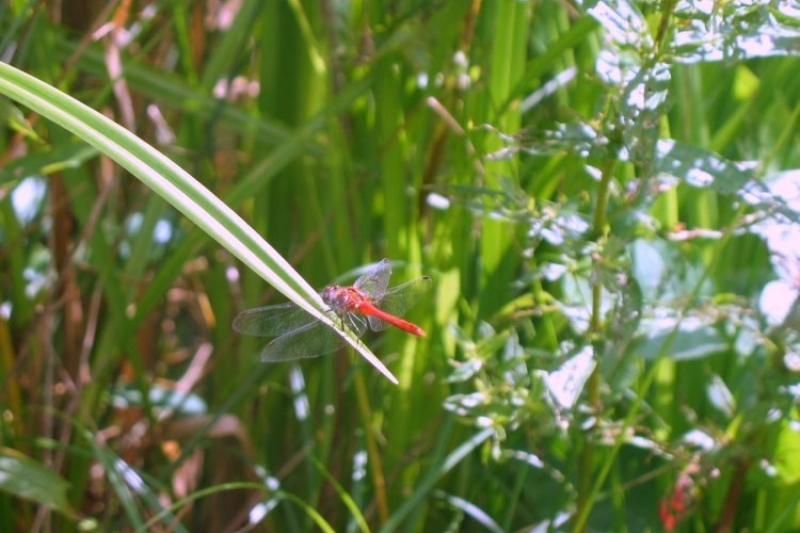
x=689 y=341
x=701 y=168
x=26 y=478
x=15 y=119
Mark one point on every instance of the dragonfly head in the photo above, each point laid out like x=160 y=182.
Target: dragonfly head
x=334 y=296
x=342 y=299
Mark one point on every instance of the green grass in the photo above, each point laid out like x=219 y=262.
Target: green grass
x=596 y=358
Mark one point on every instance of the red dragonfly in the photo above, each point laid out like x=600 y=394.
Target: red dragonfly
x=368 y=302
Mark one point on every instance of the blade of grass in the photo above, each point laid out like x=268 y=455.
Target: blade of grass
x=346 y=498
x=176 y=186
x=434 y=474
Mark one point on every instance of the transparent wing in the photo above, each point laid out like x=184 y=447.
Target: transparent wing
x=376 y=324
x=272 y=320
x=398 y=300
x=311 y=340
x=375 y=281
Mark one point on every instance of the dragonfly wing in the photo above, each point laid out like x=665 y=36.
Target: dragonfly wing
x=272 y=320
x=376 y=324
x=398 y=300
x=312 y=340
x=375 y=281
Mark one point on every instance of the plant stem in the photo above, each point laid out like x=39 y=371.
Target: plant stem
x=586 y=457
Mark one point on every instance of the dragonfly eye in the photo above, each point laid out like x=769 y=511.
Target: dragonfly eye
x=336 y=297
x=329 y=294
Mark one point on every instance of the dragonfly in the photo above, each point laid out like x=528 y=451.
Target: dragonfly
x=367 y=304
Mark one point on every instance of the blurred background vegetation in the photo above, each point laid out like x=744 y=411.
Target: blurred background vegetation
x=605 y=194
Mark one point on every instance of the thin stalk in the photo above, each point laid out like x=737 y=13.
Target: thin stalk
x=585 y=500
x=375 y=461
x=586 y=457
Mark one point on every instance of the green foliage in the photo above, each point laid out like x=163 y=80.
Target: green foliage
x=603 y=192
x=26 y=478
